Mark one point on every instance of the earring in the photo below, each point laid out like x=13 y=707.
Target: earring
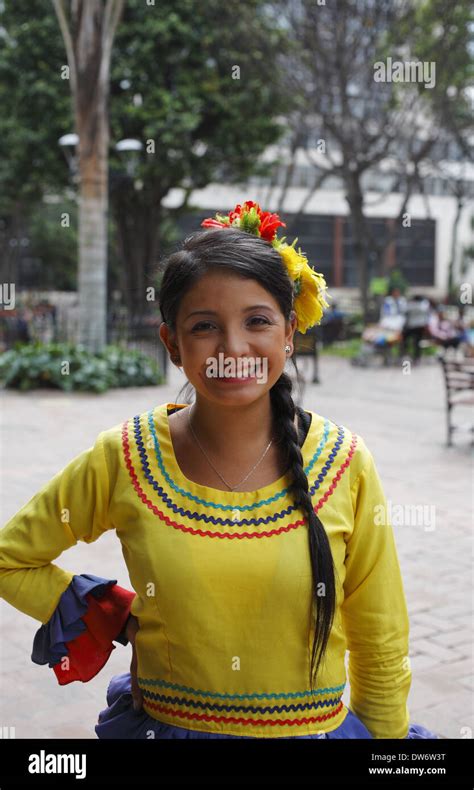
x=287 y=349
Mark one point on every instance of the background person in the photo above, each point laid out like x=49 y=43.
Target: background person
x=416 y=320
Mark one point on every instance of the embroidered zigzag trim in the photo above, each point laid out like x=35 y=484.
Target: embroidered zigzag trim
x=241 y=708
x=221 y=695
x=184 y=493
x=229 y=522
x=232 y=720
x=222 y=535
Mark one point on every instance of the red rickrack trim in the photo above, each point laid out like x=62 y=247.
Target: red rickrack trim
x=239 y=720
x=339 y=474
x=230 y=536
x=88 y=652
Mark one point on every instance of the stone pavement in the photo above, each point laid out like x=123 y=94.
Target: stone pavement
x=400 y=416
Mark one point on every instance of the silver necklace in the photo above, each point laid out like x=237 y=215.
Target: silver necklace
x=232 y=488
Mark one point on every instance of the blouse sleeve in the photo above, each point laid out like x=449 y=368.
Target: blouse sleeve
x=87 y=611
x=77 y=640
x=374 y=613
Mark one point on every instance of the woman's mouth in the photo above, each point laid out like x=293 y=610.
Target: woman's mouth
x=235 y=379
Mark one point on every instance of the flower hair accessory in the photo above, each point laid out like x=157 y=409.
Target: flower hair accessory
x=309 y=287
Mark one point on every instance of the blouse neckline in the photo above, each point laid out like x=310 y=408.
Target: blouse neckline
x=163 y=432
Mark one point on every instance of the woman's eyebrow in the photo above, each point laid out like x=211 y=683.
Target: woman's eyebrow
x=215 y=312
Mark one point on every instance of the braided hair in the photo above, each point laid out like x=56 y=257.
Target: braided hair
x=254 y=258
x=322 y=563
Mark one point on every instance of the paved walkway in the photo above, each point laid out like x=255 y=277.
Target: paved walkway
x=401 y=417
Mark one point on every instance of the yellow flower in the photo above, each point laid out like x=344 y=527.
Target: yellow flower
x=310 y=302
x=292 y=260
x=310 y=288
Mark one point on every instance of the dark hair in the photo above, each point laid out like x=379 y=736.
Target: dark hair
x=254 y=258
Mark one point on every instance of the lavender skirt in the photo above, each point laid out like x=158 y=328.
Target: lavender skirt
x=119 y=720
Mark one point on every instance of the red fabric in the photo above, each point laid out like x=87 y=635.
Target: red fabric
x=105 y=618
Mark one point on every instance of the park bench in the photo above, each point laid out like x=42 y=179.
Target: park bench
x=459 y=385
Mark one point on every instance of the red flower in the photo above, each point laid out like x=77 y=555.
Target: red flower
x=269 y=223
x=251 y=204
x=242 y=209
x=213 y=223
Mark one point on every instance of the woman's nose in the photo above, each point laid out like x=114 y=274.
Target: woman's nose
x=233 y=343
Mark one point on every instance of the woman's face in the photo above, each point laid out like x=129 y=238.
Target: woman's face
x=230 y=337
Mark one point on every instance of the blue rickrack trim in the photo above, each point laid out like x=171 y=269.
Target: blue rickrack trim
x=182 y=491
x=120 y=721
x=65 y=624
x=237 y=708
x=214 y=694
x=211 y=519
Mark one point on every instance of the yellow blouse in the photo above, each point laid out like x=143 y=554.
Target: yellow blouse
x=223 y=581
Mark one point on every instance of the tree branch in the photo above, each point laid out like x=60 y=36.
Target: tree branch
x=112 y=14
x=66 y=34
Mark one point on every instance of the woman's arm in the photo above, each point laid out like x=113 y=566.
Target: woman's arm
x=81 y=614
x=374 y=613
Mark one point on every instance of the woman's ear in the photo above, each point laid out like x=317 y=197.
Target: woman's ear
x=292 y=324
x=169 y=341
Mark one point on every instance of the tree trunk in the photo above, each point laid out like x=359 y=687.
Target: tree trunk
x=355 y=200
x=93 y=211
x=88 y=31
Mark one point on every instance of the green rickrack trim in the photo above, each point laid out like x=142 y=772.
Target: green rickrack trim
x=201 y=693
x=218 y=505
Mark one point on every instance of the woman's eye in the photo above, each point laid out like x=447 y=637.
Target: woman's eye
x=201 y=325
x=256 y=320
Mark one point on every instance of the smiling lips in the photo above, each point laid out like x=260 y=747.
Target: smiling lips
x=235 y=379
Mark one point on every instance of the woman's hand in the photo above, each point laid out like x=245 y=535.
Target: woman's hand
x=130 y=632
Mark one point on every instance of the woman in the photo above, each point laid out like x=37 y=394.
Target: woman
x=247 y=526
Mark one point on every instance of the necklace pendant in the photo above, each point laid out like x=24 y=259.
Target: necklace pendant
x=236 y=515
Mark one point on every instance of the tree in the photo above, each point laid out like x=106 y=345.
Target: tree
x=197 y=85
x=362 y=122
x=198 y=82
x=443 y=32
x=36 y=111
x=88 y=29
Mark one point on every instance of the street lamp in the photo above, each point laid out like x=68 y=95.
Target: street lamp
x=68 y=143
x=130 y=147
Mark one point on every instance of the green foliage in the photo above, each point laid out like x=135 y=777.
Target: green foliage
x=35 y=102
x=172 y=82
x=38 y=365
x=180 y=61
x=343 y=348
x=378 y=286
x=441 y=32
x=397 y=280
x=54 y=245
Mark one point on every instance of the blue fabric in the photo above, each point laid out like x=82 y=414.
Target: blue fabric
x=65 y=624
x=119 y=720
